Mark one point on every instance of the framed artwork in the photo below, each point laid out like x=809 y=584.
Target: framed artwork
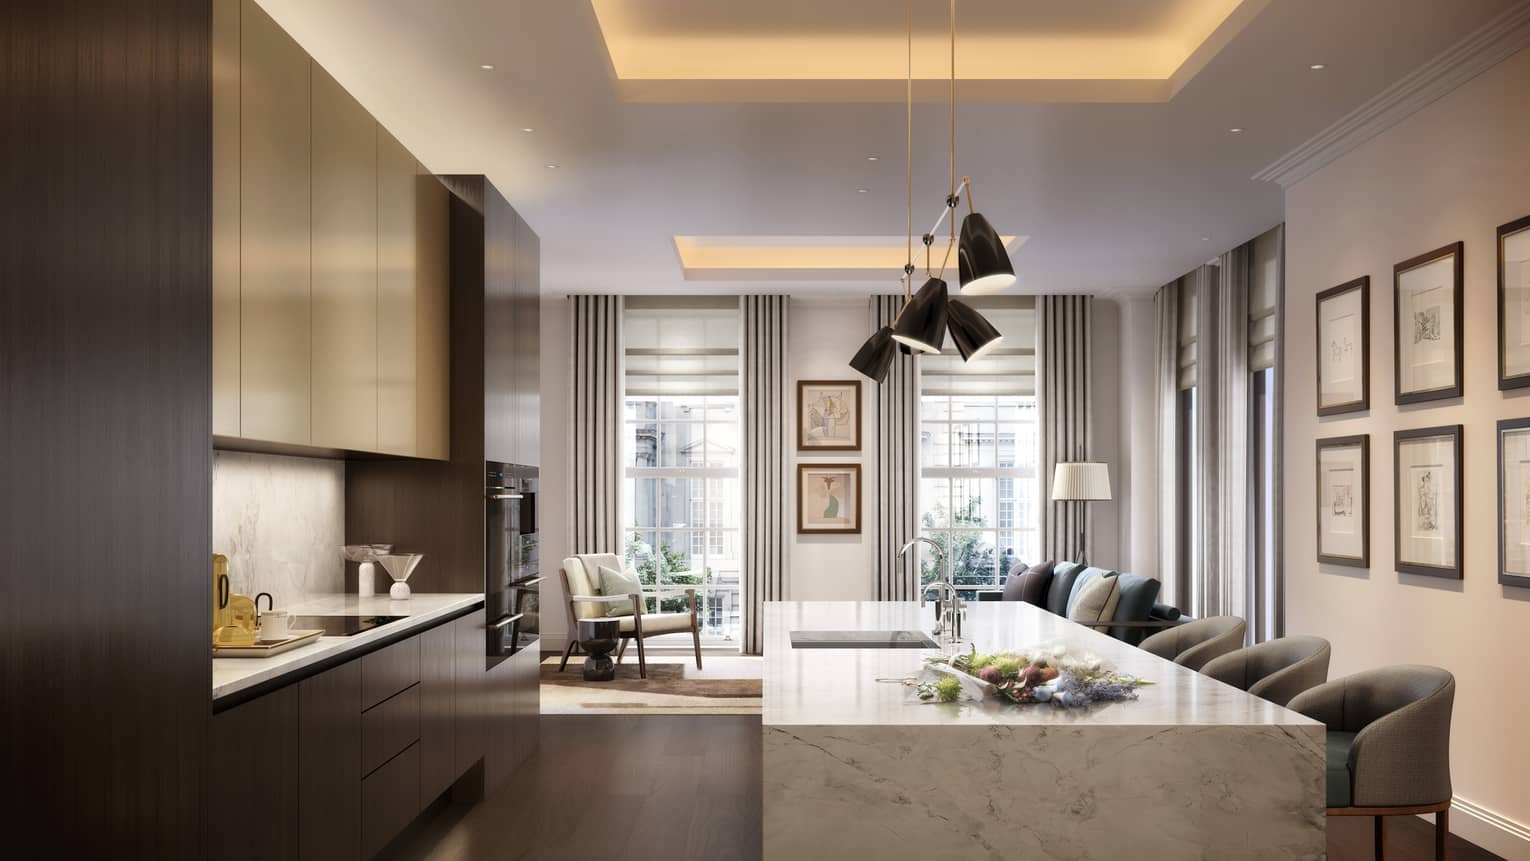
x=829 y=498
x=1514 y=502
x=1344 y=500
x=1514 y=304
x=1426 y=316
x=1427 y=503
x=1344 y=348
x=829 y=415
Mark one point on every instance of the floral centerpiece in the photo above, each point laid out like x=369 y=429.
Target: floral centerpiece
x=1053 y=673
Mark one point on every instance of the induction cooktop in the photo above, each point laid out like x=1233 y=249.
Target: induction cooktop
x=342 y=626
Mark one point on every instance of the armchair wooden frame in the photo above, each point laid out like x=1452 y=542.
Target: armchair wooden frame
x=636 y=633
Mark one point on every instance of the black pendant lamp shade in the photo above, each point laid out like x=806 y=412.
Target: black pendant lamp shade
x=875 y=357
x=923 y=324
x=984 y=262
x=973 y=334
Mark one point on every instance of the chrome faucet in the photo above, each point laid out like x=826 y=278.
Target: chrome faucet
x=950 y=618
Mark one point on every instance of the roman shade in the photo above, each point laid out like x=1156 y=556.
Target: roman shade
x=681 y=345
x=1008 y=369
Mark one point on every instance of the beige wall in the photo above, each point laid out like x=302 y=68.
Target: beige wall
x=1453 y=171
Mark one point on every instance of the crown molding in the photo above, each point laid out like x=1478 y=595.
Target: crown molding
x=1489 y=45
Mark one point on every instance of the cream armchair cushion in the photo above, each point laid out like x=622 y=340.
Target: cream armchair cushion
x=659 y=623
x=584 y=579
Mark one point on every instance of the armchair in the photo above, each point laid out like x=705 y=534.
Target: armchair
x=581 y=589
x=1194 y=644
x=1388 y=745
x=1276 y=670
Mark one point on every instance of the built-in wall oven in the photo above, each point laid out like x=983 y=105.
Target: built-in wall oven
x=512 y=559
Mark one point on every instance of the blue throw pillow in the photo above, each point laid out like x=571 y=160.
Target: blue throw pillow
x=1061 y=587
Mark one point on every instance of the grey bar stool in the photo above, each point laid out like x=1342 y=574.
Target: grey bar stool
x=1276 y=670
x=1388 y=745
x=1194 y=643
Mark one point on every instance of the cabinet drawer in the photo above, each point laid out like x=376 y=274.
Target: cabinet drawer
x=389 y=670
x=389 y=727
x=390 y=798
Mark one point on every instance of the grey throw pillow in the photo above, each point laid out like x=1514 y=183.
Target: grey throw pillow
x=612 y=583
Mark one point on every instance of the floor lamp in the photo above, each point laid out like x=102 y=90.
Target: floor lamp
x=1080 y=483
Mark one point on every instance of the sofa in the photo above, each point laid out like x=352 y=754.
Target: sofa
x=1056 y=587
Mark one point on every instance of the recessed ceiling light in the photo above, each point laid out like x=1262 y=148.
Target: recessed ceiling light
x=872 y=158
x=528 y=130
x=550 y=166
x=1205 y=238
x=862 y=190
x=1236 y=130
x=1317 y=67
x=487 y=67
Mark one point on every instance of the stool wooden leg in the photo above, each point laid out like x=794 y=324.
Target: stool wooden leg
x=1441 y=832
x=1381 y=838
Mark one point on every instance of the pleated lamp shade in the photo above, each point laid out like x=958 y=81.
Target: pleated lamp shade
x=973 y=334
x=1081 y=481
x=923 y=324
x=983 y=259
x=875 y=357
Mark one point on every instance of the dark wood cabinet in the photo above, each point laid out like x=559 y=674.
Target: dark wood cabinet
x=390 y=798
x=526 y=716
x=468 y=639
x=329 y=761
x=253 y=780
x=526 y=350
x=438 y=760
x=389 y=727
x=499 y=700
x=389 y=670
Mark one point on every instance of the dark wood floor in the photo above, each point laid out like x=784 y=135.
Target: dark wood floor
x=629 y=788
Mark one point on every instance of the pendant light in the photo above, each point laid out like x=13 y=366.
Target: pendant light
x=973 y=334
x=922 y=325
x=982 y=260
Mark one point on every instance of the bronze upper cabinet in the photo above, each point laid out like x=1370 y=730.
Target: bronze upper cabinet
x=345 y=269
x=275 y=173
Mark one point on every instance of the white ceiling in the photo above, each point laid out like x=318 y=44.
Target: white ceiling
x=1113 y=197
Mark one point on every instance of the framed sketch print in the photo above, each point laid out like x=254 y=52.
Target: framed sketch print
x=1344 y=348
x=1514 y=304
x=828 y=498
x=829 y=415
x=1514 y=502
x=1427 y=503
x=1426 y=314
x=1344 y=500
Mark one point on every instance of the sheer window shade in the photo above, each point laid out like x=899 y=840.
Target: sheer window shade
x=1264 y=292
x=681 y=345
x=1009 y=369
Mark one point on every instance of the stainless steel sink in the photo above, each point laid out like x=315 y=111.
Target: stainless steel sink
x=862 y=640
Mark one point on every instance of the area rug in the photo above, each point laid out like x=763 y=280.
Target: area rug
x=727 y=686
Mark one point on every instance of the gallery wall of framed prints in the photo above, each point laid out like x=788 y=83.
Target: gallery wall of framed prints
x=1344 y=348
x=1426 y=316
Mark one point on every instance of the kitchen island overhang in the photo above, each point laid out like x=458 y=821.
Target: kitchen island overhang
x=1192 y=769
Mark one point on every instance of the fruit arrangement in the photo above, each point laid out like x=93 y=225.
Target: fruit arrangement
x=1048 y=674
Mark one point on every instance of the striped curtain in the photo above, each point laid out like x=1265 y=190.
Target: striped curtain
x=595 y=420
x=1064 y=352
x=764 y=392
x=1175 y=579
x=895 y=478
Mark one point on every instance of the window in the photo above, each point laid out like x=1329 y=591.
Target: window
x=681 y=456
x=978 y=452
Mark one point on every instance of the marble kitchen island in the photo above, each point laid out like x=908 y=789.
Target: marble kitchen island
x=1192 y=769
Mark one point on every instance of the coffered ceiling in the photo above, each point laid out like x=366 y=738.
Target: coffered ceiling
x=626 y=129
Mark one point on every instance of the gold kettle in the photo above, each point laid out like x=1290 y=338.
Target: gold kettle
x=233 y=616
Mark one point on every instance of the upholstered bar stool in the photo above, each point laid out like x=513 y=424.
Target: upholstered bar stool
x=1388 y=745
x=1276 y=670
x=1193 y=644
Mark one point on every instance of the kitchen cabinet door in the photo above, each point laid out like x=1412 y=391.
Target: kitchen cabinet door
x=329 y=765
x=500 y=380
x=527 y=715
x=345 y=300
x=432 y=339
x=397 y=375
x=527 y=340
x=225 y=217
x=500 y=724
x=438 y=711
x=469 y=643
x=275 y=230
x=253 y=781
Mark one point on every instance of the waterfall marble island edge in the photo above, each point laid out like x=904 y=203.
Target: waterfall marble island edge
x=1192 y=769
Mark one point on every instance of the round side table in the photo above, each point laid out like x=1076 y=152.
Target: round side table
x=598 y=638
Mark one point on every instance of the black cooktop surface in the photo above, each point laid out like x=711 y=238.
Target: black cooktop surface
x=342 y=626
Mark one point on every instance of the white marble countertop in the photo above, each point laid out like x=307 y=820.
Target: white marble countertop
x=840 y=687
x=230 y=675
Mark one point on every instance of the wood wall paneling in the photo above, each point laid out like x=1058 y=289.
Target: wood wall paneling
x=105 y=416
x=329 y=765
x=252 y=802
x=225 y=216
x=344 y=299
x=275 y=231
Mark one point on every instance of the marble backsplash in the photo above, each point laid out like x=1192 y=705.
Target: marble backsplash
x=280 y=521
